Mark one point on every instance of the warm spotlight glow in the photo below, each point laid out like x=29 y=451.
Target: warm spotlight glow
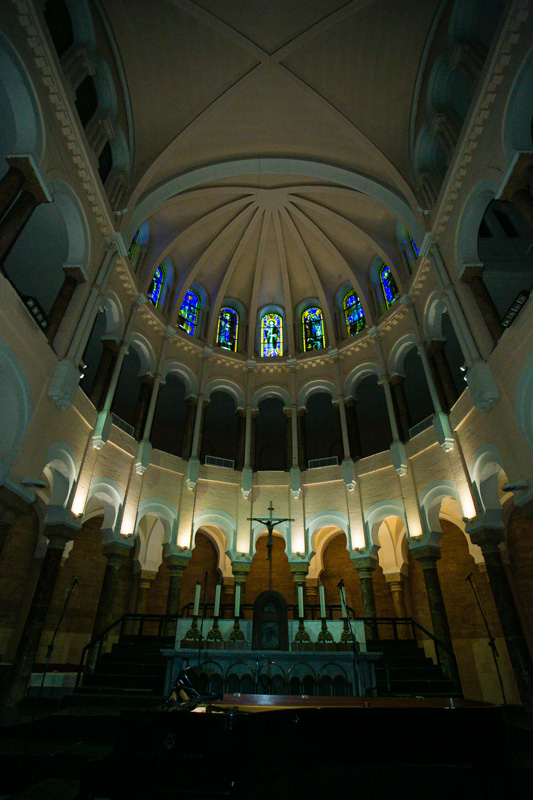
x=80 y=498
x=297 y=540
x=127 y=526
x=467 y=504
x=358 y=538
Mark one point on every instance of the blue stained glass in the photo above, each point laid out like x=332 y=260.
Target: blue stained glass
x=228 y=329
x=188 y=315
x=154 y=295
x=414 y=248
x=271 y=335
x=388 y=285
x=354 y=316
x=133 y=245
x=313 y=329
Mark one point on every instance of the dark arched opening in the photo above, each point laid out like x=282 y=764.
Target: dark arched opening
x=271 y=435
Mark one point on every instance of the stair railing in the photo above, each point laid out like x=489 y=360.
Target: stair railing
x=92 y=651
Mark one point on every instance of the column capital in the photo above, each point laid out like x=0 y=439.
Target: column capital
x=176 y=564
x=292 y=363
x=240 y=571
x=116 y=553
x=333 y=353
x=427 y=555
x=489 y=539
x=140 y=300
x=373 y=332
x=407 y=301
x=207 y=352
x=364 y=565
x=59 y=534
x=299 y=571
x=394 y=579
x=250 y=364
x=170 y=331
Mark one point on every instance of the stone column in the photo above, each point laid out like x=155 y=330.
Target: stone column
x=241 y=438
x=288 y=438
x=299 y=574
x=441 y=373
x=427 y=556
x=240 y=573
x=193 y=467
x=11 y=508
x=395 y=582
x=401 y=407
x=489 y=539
x=472 y=276
x=447 y=129
x=104 y=372
x=73 y=277
x=365 y=566
x=10 y=185
x=107 y=611
x=189 y=427
x=99 y=131
x=58 y=535
x=302 y=439
x=176 y=566
x=103 y=423
x=141 y=409
x=353 y=427
x=77 y=63
x=467 y=57
x=33 y=192
x=145 y=581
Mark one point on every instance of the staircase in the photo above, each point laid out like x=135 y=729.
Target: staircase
x=131 y=675
x=405 y=670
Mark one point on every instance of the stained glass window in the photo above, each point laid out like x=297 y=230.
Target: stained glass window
x=271 y=335
x=313 y=329
x=354 y=316
x=133 y=245
x=154 y=295
x=188 y=316
x=414 y=248
x=228 y=329
x=388 y=285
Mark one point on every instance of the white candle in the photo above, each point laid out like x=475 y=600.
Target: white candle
x=197 y=599
x=237 y=600
x=301 y=600
x=217 y=601
x=343 y=604
x=322 y=600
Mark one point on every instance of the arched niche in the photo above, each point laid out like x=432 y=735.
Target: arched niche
x=168 y=427
x=21 y=124
x=219 y=437
x=322 y=427
x=271 y=435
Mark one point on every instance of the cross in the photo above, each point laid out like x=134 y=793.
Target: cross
x=270 y=522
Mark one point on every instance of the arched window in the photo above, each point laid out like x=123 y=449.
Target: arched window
x=133 y=245
x=189 y=312
x=313 y=329
x=154 y=295
x=271 y=335
x=354 y=316
x=414 y=248
x=388 y=285
x=228 y=329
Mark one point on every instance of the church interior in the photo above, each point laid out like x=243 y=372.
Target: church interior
x=266 y=380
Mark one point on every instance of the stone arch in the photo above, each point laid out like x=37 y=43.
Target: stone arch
x=185 y=374
x=152 y=541
x=326 y=519
x=76 y=223
x=272 y=391
x=393 y=548
x=61 y=471
x=313 y=387
x=485 y=469
x=433 y=312
x=166 y=512
x=430 y=502
x=144 y=350
x=22 y=129
x=112 y=308
x=357 y=375
x=401 y=348
x=524 y=401
x=16 y=404
x=282 y=530
x=321 y=539
x=105 y=497
x=375 y=515
x=225 y=385
x=276 y=166
x=221 y=529
x=471 y=215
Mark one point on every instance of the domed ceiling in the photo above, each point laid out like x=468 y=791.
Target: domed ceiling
x=325 y=86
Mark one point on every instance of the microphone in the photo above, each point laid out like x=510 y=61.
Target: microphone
x=75 y=581
x=340 y=584
x=469 y=576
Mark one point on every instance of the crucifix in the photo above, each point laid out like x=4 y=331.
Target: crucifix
x=270 y=522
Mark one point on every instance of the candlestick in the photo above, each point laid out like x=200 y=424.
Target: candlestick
x=301 y=600
x=197 y=599
x=343 y=604
x=216 y=612
x=322 y=597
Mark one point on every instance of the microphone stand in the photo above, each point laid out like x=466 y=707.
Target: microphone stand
x=50 y=649
x=204 y=608
x=355 y=648
x=492 y=640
